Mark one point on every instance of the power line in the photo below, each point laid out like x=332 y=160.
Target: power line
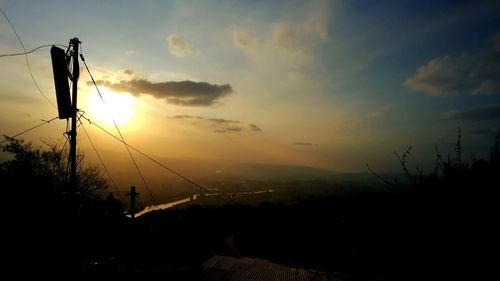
x=100 y=159
x=29 y=52
x=27 y=61
x=30 y=129
x=136 y=166
x=120 y=133
x=204 y=189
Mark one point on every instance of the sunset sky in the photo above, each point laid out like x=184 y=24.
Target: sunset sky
x=326 y=84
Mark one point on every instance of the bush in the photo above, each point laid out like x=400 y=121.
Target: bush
x=37 y=180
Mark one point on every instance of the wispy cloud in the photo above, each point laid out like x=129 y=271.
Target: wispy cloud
x=129 y=72
x=178 y=46
x=292 y=42
x=229 y=129
x=186 y=93
x=217 y=125
x=254 y=127
x=302 y=143
x=222 y=121
x=479 y=113
x=183 y=117
x=451 y=75
x=445 y=76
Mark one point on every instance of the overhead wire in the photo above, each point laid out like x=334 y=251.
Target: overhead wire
x=120 y=133
x=113 y=183
x=127 y=145
x=200 y=187
x=29 y=52
x=27 y=61
x=30 y=129
x=25 y=53
x=121 y=139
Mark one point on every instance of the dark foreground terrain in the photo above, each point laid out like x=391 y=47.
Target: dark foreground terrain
x=407 y=235
x=437 y=227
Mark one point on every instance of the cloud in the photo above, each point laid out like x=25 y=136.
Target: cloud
x=186 y=93
x=451 y=75
x=178 y=46
x=218 y=125
x=440 y=77
x=221 y=120
x=302 y=143
x=242 y=39
x=131 y=53
x=292 y=41
x=488 y=112
x=254 y=127
x=183 y=117
x=224 y=125
x=229 y=129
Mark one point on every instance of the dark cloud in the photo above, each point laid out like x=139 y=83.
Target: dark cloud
x=451 y=75
x=254 y=127
x=218 y=125
x=302 y=143
x=183 y=117
x=224 y=125
x=229 y=129
x=186 y=93
x=222 y=121
x=480 y=113
x=128 y=72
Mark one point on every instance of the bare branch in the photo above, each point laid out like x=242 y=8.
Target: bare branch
x=378 y=176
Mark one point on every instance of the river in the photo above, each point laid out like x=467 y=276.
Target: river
x=168 y=205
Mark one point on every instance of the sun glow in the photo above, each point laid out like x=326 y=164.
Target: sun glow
x=116 y=107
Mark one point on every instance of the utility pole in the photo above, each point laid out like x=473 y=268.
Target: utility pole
x=132 y=194
x=72 y=141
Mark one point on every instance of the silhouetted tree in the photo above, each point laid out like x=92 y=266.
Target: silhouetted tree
x=37 y=178
x=54 y=227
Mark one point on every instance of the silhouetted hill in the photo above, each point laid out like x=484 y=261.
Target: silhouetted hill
x=206 y=169
x=274 y=172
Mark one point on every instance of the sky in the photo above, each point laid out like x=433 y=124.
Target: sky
x=333 y=85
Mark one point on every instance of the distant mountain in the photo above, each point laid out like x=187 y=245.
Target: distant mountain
x=274 y=172
x=122 y=169
x=203 y=169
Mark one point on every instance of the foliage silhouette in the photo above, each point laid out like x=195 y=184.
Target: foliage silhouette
x=34 y=174
x=50 y=223
x=453 y=212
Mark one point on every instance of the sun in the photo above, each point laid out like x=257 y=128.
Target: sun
x=116 y=107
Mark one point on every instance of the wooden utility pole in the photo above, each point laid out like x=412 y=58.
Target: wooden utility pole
x=74 y=109
x=132 y=194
